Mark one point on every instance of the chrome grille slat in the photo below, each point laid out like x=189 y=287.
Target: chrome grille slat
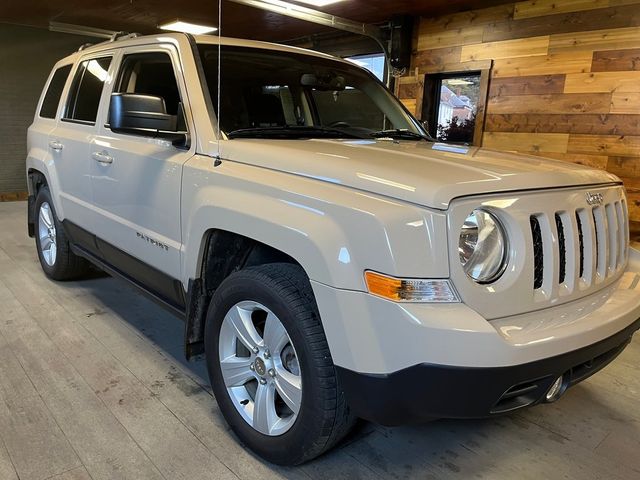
x=602 y=238
x=612 y=243
x=621 y=239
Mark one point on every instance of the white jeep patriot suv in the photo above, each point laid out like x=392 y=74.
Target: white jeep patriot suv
x=329 y=259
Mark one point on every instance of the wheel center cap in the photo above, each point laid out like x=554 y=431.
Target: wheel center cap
x=260 y=367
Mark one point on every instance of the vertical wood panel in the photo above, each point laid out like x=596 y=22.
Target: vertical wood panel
x=564 y=123
x=527 y=142
x=559 y=63
x=567 y=23
x=531 y=85
x=554 y=103
x=616 y=60
x=613 y=145
x=539 y=8
x=619 y=82
x=437 y=56
x=608 y=39
x=524 y=47
x=625 y=103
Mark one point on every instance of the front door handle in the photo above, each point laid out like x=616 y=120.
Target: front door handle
x=102 y=157
x=55 y=145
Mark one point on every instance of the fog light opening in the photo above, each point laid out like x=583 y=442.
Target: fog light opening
x=556 y=390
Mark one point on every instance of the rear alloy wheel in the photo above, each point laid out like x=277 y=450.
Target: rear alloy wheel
x=56 y=258
x=270 y=365
x=47 y=234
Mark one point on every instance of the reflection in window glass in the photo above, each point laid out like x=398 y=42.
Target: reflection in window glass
x=457 y=108
x=374 y=63
x=52 y=97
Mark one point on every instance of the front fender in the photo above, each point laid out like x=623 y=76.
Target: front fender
x=334 y=232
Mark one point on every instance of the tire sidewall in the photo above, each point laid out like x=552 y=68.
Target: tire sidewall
x=299 y=438
x=45 y=196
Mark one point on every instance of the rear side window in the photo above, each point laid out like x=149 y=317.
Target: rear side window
x=84 y=96
x=52 y=97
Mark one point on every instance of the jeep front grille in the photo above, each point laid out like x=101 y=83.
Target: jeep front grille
x=581 y=248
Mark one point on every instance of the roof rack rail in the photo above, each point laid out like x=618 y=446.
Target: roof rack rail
x=123 y=36
x=85 y=45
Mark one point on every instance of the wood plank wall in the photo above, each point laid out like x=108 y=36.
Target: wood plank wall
x=565 y=81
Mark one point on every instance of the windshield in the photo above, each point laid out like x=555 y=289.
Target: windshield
x=276 y=94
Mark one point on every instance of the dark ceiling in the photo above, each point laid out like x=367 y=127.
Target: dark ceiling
x=238 y=20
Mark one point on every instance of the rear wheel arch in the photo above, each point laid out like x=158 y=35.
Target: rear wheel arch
x=35 y=181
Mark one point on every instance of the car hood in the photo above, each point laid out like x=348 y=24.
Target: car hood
x=424 y=173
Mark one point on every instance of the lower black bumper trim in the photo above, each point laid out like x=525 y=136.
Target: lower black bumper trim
x=427 y=391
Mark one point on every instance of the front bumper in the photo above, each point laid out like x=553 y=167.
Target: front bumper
x=429 y=391
x=399 y=362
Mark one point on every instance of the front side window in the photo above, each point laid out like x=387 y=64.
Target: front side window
x=150 y=74
x=84 y=96
x=279 y=94
x=54 y=91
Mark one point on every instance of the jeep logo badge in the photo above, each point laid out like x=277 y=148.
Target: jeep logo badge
x=595 y=198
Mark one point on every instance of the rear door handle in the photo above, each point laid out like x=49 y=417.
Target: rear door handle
x=55 y=145
x=102 y=157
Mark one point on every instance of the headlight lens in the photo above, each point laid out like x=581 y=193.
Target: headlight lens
x=483 y=247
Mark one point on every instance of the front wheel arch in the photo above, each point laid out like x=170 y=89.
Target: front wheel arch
x=222 y=253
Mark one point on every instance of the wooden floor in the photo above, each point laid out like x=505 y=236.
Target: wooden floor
x=93 y=385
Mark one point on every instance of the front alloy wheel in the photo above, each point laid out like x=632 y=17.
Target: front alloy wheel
x=270 y=366
x=260 y=368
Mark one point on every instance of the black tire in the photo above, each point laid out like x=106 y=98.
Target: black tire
x=324 y=417
x=67 y=265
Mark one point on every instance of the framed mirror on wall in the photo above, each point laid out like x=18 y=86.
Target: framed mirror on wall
x=453 y=103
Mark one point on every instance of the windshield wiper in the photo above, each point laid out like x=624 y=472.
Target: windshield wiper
x=399 y=134
x=291 y=131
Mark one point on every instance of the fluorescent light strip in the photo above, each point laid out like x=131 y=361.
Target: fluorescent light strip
x=186 y=27
x=318 y=3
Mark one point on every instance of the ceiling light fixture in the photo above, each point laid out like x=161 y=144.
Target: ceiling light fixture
x=186 y=27
x=318 y=3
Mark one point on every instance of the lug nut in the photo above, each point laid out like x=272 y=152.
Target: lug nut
x=263 y=381
x=256 y=350
x=272 y=372
x=252 y=367
x=266 y=354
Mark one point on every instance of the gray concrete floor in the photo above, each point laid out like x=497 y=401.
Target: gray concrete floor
x=93 y=385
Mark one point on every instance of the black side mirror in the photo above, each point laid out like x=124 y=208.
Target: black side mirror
x=145 y=115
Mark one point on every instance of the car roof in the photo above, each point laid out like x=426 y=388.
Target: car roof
x=174 y=37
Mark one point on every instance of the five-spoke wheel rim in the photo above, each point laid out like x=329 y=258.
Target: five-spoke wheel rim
x=260 y=368
x=47 y=234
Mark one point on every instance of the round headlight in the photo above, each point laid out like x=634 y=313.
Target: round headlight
x=483 y=247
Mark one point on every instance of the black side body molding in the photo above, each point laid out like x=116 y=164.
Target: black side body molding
x=154 y=284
